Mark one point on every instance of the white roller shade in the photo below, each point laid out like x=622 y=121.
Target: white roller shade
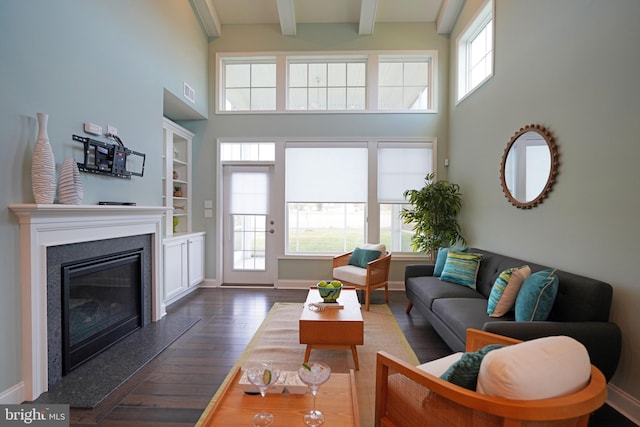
x=326 y=174
x=400 y=168
x=249 y=193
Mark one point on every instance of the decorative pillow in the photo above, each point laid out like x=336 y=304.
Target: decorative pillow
x=361 y=257
x=461 y=268
x=542 y=368
x=375 y=247
x=464 y=372
x=505 y=290
x=442 y=258
x=537 y=295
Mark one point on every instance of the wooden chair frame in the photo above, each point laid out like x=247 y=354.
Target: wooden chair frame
x=570 y=410
x=377 y=275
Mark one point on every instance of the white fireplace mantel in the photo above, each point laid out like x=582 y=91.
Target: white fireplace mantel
x=42 y=226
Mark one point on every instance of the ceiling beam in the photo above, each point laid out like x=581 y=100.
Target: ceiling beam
x=448 y=15
x=287 y=15
x=367 y=17
x=208 y=16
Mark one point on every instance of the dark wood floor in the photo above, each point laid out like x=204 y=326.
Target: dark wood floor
x=175 y=387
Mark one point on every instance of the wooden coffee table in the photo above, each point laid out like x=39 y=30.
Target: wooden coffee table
x=337 y=399
x=334 y=328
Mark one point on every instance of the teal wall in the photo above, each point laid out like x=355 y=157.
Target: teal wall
x=102 y=61
x=571 y=66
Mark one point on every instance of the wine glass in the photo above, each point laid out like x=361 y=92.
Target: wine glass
x=263 y=376
x=314 y=374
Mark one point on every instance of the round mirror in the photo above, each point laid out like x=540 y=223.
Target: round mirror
x=529 y=166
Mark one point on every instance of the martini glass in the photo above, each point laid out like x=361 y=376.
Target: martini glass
x=263 y=376
x=314 y=374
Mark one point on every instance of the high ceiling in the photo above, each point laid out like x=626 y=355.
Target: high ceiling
x=288 y=13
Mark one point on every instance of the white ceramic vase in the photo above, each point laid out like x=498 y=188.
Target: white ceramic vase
x=70 y=190
x=43 y=165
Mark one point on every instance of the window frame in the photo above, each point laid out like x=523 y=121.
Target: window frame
x=371 y=59
x=484 y=17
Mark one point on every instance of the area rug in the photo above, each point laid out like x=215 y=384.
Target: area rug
x=277 y=341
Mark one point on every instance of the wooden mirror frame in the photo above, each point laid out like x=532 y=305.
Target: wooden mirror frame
x=553 y=169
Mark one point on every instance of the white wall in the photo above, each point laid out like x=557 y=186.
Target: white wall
x=571 y=66
x=103 y=61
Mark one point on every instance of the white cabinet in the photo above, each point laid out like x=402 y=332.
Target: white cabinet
x=176 y=179
x=183 y=264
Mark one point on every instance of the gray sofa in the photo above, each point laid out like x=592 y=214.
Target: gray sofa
x=581 y=309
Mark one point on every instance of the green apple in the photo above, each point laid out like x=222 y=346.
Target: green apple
x=322 y=284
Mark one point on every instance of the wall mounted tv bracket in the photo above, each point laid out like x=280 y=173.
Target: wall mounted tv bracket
x=107 y=159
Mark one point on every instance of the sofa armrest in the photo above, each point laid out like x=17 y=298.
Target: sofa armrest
x=603 y=340
x=417 y=270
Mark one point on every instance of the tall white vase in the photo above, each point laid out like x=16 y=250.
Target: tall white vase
x=70 y=190
x=43 y=165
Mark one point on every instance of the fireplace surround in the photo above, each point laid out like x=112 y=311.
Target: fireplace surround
x=44 y=226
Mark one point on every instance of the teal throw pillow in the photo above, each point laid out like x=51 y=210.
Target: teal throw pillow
x=537 y=295
x=461 y=268
x=361 y=257
x=465 y=371
x=442 y=258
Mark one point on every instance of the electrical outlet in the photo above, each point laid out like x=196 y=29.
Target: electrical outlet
x=92 y=128
x=112 y=130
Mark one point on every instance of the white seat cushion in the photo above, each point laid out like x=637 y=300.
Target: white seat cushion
x=538 y=369
x=439 y=366
x=351 y=274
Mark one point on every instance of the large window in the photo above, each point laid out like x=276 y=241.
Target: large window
x=336 y=199
x=401 y=167
x=326 y=194
x=322 y=82
x=475 y=52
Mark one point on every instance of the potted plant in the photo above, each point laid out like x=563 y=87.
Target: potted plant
x=433 y=213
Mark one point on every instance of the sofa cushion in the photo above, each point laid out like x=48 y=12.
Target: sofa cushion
x=537 y=295
x=361 y=257
x=505 y=290
x=428 y=289
x=461 y=268
x=464 y=372
x=461 y=313
x=542 y=368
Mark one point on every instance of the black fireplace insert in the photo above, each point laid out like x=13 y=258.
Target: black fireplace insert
x=102 y=302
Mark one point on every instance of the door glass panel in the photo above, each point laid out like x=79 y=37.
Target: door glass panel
x=249 y=242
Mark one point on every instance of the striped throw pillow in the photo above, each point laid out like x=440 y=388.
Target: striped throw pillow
x=505 y=290
x=461 y=268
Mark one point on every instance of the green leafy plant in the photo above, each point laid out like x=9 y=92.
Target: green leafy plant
x=433 y=213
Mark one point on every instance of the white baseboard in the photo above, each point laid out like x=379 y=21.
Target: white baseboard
x=209 y=283
x=13 y=395
x=306 y=284
x=624 y=403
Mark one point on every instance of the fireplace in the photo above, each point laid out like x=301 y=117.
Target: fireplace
x=101 y=304
x=86 y=232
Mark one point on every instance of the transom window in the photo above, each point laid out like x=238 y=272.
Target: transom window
x=341 y=82
x=475 y=52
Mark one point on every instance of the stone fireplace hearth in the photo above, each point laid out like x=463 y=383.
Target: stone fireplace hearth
x=44 y=226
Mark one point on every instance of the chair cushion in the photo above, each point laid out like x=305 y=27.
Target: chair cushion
x=438 y=367
x=505 y=290
x=461 y=268
x=537 y=295
x=542 y=368
x=351 y=274
x=361 y=257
